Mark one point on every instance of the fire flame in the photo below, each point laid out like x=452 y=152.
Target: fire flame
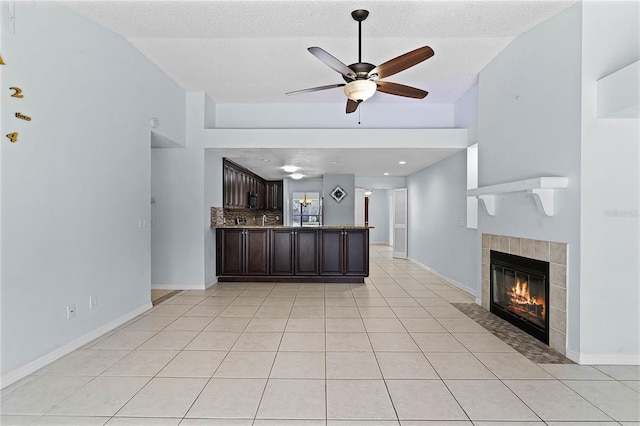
x=522 y=293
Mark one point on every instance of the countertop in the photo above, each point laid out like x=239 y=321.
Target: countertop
x=251 y=226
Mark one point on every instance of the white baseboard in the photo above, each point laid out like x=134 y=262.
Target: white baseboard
x=35 y=365
x=605 y=358
x=178 y=287
x=573 y=356
x=446 y=278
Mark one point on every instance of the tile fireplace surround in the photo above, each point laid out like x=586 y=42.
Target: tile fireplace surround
x=549 y=251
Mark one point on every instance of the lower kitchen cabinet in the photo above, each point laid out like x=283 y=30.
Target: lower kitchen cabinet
x=292 y=254
x=242 y=251
x=344 y=252
x=282 y=259
x=306 y=251
x=356 y=252
x=332 y=252
x=294 y=251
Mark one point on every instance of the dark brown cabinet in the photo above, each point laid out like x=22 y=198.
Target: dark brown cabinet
x=273 y=195
x=242 y=251
x=306 y=251
x=332 y=252
x=237 y=182
x=292 y=254
x=257 y=252
x=294 y=251
x=230 y=261
x=344 y=252
x=282 y=259
x=356 y=252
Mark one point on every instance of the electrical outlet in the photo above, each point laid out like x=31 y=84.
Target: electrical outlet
x=93 y=302
x=71 y=311
x=142 y=223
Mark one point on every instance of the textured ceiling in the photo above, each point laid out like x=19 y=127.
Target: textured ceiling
x=251 y=52
x=255 y=51
x=315 y=163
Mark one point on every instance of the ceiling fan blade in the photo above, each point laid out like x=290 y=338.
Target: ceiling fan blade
x=352 y=106
x=316 y=89
x=400 y=90
x=332 y=62
x=402 y=62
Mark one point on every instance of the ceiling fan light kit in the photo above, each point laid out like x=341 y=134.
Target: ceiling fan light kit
x=360 y=90
x=362 y=77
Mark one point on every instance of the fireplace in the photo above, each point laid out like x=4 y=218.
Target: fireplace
x=519 y=292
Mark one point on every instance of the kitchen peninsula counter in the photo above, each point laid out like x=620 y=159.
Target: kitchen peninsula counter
x=256 y=226
x=277 y=253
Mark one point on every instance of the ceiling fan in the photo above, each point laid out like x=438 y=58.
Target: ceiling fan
x=362 y=78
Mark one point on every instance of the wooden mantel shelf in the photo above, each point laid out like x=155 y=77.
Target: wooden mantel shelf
x=542 y=188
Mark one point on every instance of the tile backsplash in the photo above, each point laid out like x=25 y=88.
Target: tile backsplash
x=226 y=217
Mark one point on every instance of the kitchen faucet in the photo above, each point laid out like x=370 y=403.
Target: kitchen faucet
x=264 y=217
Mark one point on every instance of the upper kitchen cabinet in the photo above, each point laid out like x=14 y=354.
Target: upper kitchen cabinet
x=238 y=182
x=273 y=195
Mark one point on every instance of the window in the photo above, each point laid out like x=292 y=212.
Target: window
x=306 y=209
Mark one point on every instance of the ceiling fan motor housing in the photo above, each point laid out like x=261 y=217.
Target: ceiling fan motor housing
x=361 y=69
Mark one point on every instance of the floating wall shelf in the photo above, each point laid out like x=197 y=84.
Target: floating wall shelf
x=542 y=188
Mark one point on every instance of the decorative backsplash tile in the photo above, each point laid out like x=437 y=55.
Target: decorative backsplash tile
x=225 y=217
x=217 y=216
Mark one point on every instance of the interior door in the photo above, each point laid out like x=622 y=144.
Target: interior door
x=400 y=223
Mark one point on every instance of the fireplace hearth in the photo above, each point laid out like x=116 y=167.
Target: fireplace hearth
x=519 y=292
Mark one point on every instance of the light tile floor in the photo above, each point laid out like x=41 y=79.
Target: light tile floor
x=392 y=351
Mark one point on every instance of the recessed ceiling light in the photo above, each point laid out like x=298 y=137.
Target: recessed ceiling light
x=290 y=169
x=334 y=162
x=402 y=162
x=386 y=173
x=297 y=176
x=265 y=160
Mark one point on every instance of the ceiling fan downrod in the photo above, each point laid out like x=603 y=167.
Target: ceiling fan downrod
x=360 y=15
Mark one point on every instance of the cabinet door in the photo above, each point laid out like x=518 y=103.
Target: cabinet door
x=282 y=252
x=278 y=197
x=268 y=195
x=273 y=195
x=356 y=247
x=236 y=188
x=230 y=251
x=257 y=251
x=262 y=203
x=306 y=252
x=225 y=187
x=331 y=252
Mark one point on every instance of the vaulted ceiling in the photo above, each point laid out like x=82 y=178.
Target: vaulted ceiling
x=253 y=52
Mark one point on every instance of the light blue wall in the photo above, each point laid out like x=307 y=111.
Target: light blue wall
x=529 y=125
x=438 y=237
x=342 y=213
x=76 y=185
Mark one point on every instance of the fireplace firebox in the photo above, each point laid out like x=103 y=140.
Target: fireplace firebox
x=520 y=292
